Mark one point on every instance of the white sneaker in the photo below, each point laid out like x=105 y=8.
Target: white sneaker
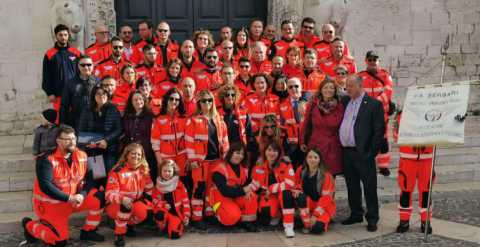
x=274 y=221
x=289 y=232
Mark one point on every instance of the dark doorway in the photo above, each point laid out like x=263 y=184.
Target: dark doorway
x=186 y=16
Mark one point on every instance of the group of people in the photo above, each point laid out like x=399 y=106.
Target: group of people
x=243 y=131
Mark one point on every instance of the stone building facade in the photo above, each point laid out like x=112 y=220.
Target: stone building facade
x=408 y=35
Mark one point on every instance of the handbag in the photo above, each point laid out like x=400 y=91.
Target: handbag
x=97 y=165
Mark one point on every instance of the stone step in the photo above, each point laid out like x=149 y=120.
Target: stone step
x=12 y=202
x=19 y=144
x=18 y=181
x=10 y=163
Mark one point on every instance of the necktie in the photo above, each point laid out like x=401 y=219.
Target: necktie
x=296 y=112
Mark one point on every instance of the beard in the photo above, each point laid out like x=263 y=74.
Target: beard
x=70 y=148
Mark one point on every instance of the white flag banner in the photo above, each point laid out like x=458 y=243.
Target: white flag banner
x=429 y=112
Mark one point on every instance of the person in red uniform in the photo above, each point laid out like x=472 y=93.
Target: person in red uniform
x=206 y=140
x=231 y=196
x=225 y=34
x=260 y=103
x=311 y=75
x=101 y=49
x=168 y=131
x=146 y=37
x=338 y=57
x=109 y=84
x=203 y=39
x=378 y=84
x=294 y=66
x=125 y=86
x=126 y=34
x=145 y=87
x=210 y=77
x=167 y=48
x=240 y=46
x=280 y=47
x=244 y=78
x=277 y=67
x=171 y=206
x=173 y=79
x=226 y=56
x=256 y=34
x=150 y=69
x=270 y=33
x=129 y=192
x=307 y=33
x=274 y=180
x=190 y=64
x=113 y=64
x=314 y=193
x=415 y=167
x=188 y=93
x=323 y=47
x=259 y=61
x=63 y=186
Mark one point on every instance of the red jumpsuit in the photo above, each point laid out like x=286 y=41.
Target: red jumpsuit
x=320 y=204
x=196 y=140
x=168 y=139
x=227 y=198
x=276 y=186
x=415 y=166
x=380 y=87
x=171 y=206
x=125 y=181
x=52 y=207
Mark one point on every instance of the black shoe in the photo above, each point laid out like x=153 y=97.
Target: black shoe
x=351 y=220
x=174 y=235
x=131 y=231
x=422 y=228
x=211 y=220
x=119 y=241
x=372 y=227
x=384 y=171
x=30 y=239
x=62 y=243
x=318 y=228
x=403 y=226
x=249 y=226
x=91 y=236
x=199 y=225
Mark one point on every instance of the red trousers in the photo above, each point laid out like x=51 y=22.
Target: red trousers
x=322 y=211
x=202 y=181
x=122 y=216
x=282 y=200
x=173 y=224
x=52 y=223
x=409 y=173
x=230 y=211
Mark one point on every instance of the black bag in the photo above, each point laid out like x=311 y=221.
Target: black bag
x=392 y=108
x=384 y=146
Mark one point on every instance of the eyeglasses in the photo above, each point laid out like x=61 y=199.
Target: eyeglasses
x=293 y=86
x=206 y=101
x=230 y=95
x=162 y=30
x=68 y=139
x=245 y=66
x=86 y=64
x=270 y=127
x=327 y=31
x=126 y=32
x=173 y=99
x=372 y=60
x=341 y=73
x=212 y=57
x=104 y=32
x=117 y=47
x=308 y=27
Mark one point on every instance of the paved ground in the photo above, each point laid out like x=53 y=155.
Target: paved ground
x=455 y=223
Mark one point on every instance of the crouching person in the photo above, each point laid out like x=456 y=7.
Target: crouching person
x=315 y=195
x=128 y=192
x=63 y=186
x=274 y=180
x=171 y=206
x=232 y=198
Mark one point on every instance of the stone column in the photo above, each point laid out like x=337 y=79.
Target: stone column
x=98 y=12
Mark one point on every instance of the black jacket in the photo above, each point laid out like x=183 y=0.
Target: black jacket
x=107 y=122
x=59 y=66
x=369 y=126
x=75 y=98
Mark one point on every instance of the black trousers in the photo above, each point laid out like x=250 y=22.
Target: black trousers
x=357 y=169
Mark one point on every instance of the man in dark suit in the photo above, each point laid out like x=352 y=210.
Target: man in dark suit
x=361 y=133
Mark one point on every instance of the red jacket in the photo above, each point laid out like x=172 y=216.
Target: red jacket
x=287 y=117
x=172 y=49
x=120 y=96
x=180 y=200
x=155 y=73
x=196 y=137
x=190 y=106
x=124 y=181
x=263 y=67
x=162 y=88
x=257 y=107
x=311 y=83
x=283 y=173
x=293 y=71
x=109 y=67
x=329 y=64
x=245 y=88
x=280 y=47
x=324 y=49
x=381 y=90
x=168 y=136
x=137 y=54
x=207 y=78
x=241 y=117
x=189 y=70
x=99 y=52
x=301 y=38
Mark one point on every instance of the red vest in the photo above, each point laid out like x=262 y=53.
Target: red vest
x=168 y=136
x=196 y=137
x=124 y=181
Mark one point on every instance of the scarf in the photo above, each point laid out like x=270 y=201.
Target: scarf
x=167 y=186
x=326 y=107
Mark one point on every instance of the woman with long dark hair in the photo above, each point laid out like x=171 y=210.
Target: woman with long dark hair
x=174 y=77
x=240 y=44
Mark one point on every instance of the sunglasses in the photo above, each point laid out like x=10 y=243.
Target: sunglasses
x=173 y=99
x=228 y=48
x=372 y=59
x=230 y=95
x=330 y=32
x=162 y=30
x=206 y=101
x=117 y=47
x=293 y=86
x=86 y=65
x=270 y=127
x=212 y=57
x=244 y=66
x=341 y=73
x=308 y=27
